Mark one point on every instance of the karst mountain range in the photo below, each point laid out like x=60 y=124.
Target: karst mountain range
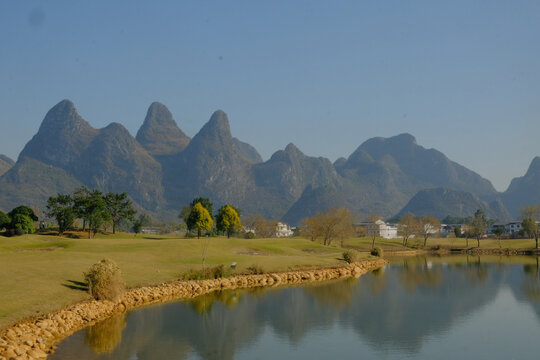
x=162 y=170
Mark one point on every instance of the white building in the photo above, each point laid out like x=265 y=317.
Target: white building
x=381 y=229
x=151 y=230
x=513 y=227
x=446 y=230
x=283 y=230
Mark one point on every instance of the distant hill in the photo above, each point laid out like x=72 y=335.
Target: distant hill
x=31 y=182
x=5 y=164
x=312 y=201
x=441 y=202
x=162 y=169
x=524 y=190
x=391 y=170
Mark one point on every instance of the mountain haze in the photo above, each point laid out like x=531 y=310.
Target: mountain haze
x=383 y=174
x=314 y=200
x=441 y=202
x=524 y=190
x=6 y=163
x=162 y=170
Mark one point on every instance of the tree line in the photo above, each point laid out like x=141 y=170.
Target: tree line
x=94 y=208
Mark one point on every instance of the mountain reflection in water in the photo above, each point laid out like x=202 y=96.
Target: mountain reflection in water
x=391 y=312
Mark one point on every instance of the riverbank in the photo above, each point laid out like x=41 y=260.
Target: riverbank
x=35 y=338
x=43 y=273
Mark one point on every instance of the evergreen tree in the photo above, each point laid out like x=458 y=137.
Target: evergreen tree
x=119 y=208
x=62 y=209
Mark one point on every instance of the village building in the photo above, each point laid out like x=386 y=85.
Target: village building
x=513 y=227
x=283 y=230
x=381 y=229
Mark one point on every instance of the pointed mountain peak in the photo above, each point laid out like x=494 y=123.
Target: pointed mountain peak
x=214 y=138
x=64 y=115
x=534 y=168
x=217 y=127
x=62 y=136
x=219 y=120
x=292 y=149
x=159 y=134
x=291 y=152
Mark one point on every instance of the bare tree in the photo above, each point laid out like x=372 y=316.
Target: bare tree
x=333 y=224
x=530 y=216
x=408 y=227
x=311 y=228
x=479 y=225
x=373 y=218
x=263 y=228
x=429 y=225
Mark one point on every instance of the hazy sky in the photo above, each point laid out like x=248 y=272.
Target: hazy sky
x=461 y=76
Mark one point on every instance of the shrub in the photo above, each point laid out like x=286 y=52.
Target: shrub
x=105 y=280
x=206 y=273
x=249 y=235
x=377 y=251
x=255 y=270
x=350 y=256
x=24 y=223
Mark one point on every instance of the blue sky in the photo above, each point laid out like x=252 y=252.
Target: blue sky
x=461 y=76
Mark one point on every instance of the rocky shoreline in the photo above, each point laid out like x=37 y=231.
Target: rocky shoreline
x=36 y=338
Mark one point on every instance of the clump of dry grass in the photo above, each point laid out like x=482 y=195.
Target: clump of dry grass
x=350 y=256
x=105 y=280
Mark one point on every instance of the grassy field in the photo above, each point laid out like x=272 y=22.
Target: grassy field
x=41 y=273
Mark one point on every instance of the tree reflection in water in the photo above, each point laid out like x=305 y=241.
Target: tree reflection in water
x=105 y=336
x=395 y=308
x=531 y=283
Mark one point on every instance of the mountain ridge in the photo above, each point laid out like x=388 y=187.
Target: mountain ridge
x=162 y=169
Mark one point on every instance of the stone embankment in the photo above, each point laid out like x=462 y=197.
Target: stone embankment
x=36 y=338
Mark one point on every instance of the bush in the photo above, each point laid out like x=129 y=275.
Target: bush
x=105 y=280
x=377 y=251
x=207 y=273
x=350 y=256
x=249 y=235
x=24 y=223
x=255 y=270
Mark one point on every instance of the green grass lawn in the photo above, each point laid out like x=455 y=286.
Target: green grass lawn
x=41 y=273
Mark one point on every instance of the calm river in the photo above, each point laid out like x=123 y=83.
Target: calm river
x=463 y=307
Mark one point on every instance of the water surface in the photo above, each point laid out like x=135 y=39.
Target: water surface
x=417 y=308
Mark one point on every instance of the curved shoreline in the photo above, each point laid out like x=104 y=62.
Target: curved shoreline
x=36 y=338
